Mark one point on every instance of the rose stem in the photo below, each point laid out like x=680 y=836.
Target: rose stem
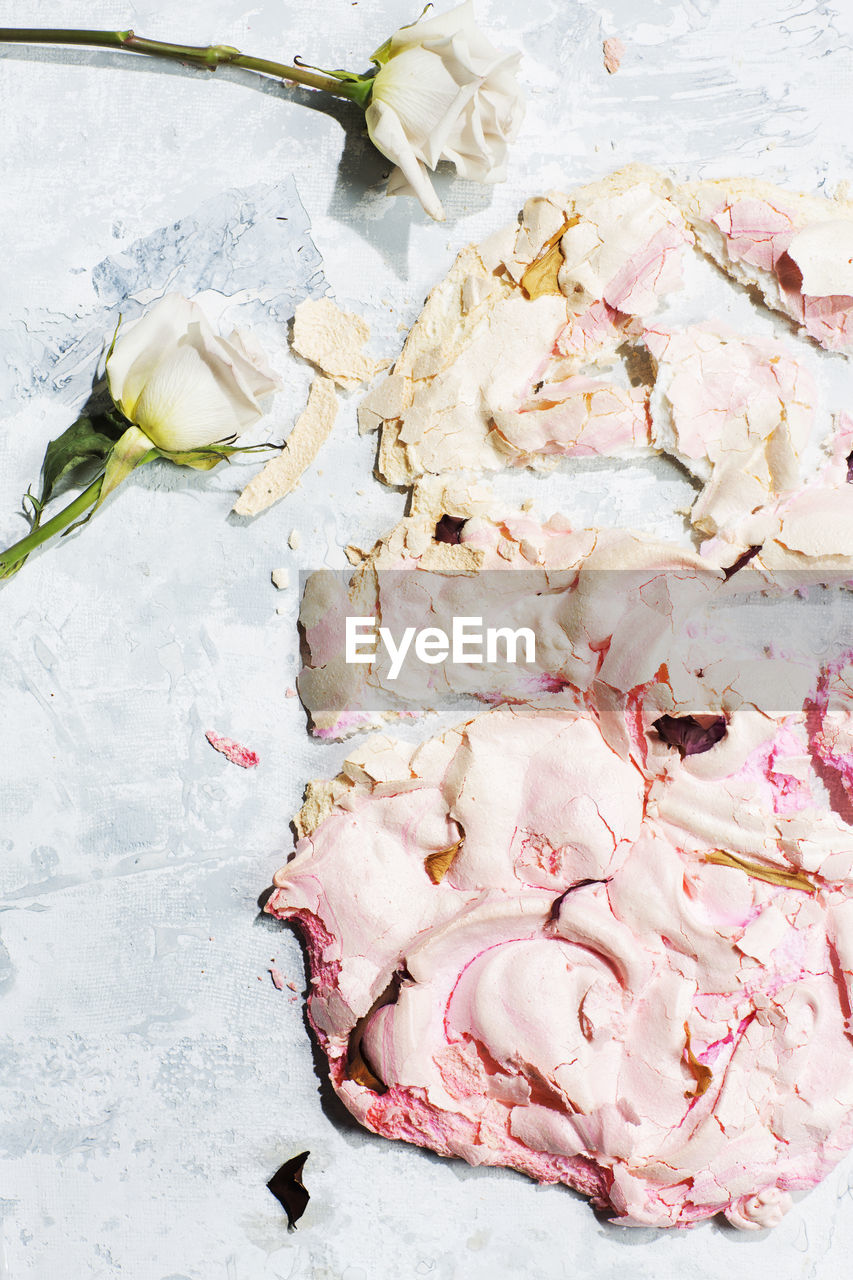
x=13 y=555
x=207 y=57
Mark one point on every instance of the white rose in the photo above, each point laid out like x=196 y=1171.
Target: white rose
x=183 y=386
x=444 y=92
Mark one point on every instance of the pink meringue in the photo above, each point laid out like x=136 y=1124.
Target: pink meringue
x=628 y=972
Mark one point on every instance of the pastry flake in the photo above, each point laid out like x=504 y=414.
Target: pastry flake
x=283 y=473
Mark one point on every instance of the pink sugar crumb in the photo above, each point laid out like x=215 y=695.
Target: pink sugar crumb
x=233 y=751
x=277 y=980
x=614 y=51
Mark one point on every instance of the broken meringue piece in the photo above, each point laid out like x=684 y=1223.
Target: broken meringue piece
x=283 y=473
x=823 y=252
x=333 y=339
x=577 y=417
x=737 y=411
x=625 y=245
x=525 y=310
x=796 y=249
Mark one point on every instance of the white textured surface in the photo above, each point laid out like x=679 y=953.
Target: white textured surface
x=150 y=1083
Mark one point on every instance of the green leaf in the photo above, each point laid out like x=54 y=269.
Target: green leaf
x=86 y=440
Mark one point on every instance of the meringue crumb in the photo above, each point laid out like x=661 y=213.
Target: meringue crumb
x=290 y=692
x=332 y=340
x=283 y=473
x=277 y=979
x=295 y=540
x=614 y=51
x=233 y=751
x=280 y=578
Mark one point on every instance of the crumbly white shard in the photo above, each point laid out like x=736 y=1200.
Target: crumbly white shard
x=280 y=578
x=282 y=474
x=824 y=253
x=625 y=244
x=737 y=411
x=577 y=416
x=809 y=534
x=332 y=340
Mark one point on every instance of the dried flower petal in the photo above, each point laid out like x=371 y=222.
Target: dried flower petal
x=448 y=530
x=288 y=1188
x=758 y=871
x=701 y=1074
x=438 y=864
x=689 y=734
x=542 y=276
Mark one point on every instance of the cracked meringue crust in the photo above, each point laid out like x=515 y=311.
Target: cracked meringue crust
x=603 y=932
x=592 y=991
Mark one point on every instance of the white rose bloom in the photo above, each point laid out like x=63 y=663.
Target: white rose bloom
x=444 y=92
x=183 y=386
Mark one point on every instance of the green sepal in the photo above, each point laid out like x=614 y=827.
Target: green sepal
x=383 y=53
x=359 y=85
x=129 y=452
x=207 y=458
x=199 y=459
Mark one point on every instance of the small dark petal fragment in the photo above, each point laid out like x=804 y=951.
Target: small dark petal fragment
x=752 y=551
x=288 y=1188
x=578 y=884
x=788 y=274
x=850 y=468
x=689 y=735
x=448 y=529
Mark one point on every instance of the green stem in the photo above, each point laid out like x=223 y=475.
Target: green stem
x=13 y=557
x=208 y=57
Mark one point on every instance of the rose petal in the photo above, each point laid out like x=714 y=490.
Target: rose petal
x=388 y=135
x=139 y=347
x=184 y=406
